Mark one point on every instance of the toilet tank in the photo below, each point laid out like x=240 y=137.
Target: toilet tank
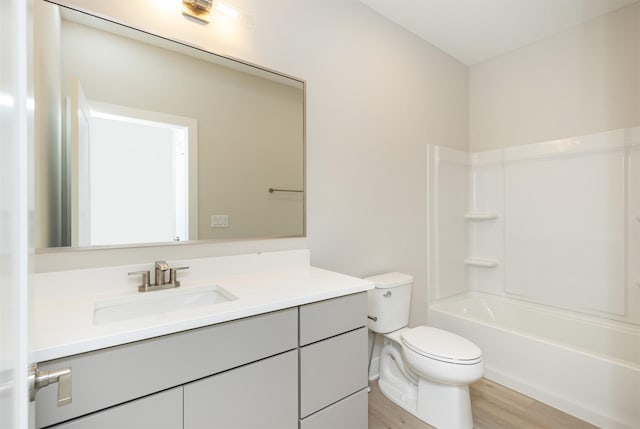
x=389 y=302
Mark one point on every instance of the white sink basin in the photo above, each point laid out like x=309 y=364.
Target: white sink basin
x=158 y=302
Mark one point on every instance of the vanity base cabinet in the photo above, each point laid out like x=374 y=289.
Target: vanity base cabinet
x=160 y=411
x=298 y=368
x=262 y=395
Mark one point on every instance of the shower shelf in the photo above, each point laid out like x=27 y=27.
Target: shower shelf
x=481 y=216
x=481 y=262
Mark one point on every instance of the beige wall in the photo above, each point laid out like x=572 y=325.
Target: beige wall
x=376 y=96
x=581 y=81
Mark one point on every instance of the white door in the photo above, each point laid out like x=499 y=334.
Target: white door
x=142 y=176
x=14 y=251
x=145 y=201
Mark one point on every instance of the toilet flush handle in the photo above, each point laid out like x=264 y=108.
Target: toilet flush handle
x=387 y=294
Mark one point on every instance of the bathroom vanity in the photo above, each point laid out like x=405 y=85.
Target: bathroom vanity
x=289 y=351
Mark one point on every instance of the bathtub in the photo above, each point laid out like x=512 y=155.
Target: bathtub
x=585 y=366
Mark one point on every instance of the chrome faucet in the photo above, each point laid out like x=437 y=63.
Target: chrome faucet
x=161 y=267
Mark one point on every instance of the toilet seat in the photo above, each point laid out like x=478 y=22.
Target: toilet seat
x=440 y=345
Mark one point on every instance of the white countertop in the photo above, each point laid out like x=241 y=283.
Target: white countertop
x=64 y=323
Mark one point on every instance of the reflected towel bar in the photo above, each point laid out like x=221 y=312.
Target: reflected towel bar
x=272 y=190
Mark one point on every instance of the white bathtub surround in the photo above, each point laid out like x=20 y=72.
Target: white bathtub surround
x=556 y=224
x=449 y=178
x=580 y=364
x=64 y=301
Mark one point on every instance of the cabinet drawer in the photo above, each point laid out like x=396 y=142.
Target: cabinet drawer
x=160 y=411
x=108 y=377
x=332 y=369
x=261 y=395
x=350 y=413
x=320 y=320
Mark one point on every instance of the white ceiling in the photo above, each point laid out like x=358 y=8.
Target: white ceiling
x=475 y=30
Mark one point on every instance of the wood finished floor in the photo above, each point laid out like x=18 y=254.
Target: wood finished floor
x=494 y=407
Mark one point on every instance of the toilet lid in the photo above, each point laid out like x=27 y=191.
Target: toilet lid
x=441 y=345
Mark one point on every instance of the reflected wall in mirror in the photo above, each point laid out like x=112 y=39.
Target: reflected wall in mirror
x=144 y=140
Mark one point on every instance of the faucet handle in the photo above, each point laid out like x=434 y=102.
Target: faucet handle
x=161 y=265
x=145 y=279
x=172 y=275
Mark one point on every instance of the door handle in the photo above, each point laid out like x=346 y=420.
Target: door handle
x=39 y=379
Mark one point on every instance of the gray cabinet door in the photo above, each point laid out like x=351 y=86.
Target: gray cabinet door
x=324 y=319
x=160 y=411
x=332 y=369
x=261 y=395
x=350 y=413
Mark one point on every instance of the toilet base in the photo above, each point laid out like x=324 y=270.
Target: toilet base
x=405 y=398
x=393 y=384
x=444 y=406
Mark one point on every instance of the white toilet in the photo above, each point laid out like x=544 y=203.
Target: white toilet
x=425 y=370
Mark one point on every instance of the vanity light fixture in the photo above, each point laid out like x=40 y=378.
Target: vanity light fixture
x=197 y=9
x=201 y=10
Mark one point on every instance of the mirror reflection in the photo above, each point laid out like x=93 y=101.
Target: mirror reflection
x=144 y=140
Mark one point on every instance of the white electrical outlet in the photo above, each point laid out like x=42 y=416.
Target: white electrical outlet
x=219 y=221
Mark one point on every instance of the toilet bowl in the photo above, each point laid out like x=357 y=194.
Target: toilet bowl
x=442 y=356
x=425 y=370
